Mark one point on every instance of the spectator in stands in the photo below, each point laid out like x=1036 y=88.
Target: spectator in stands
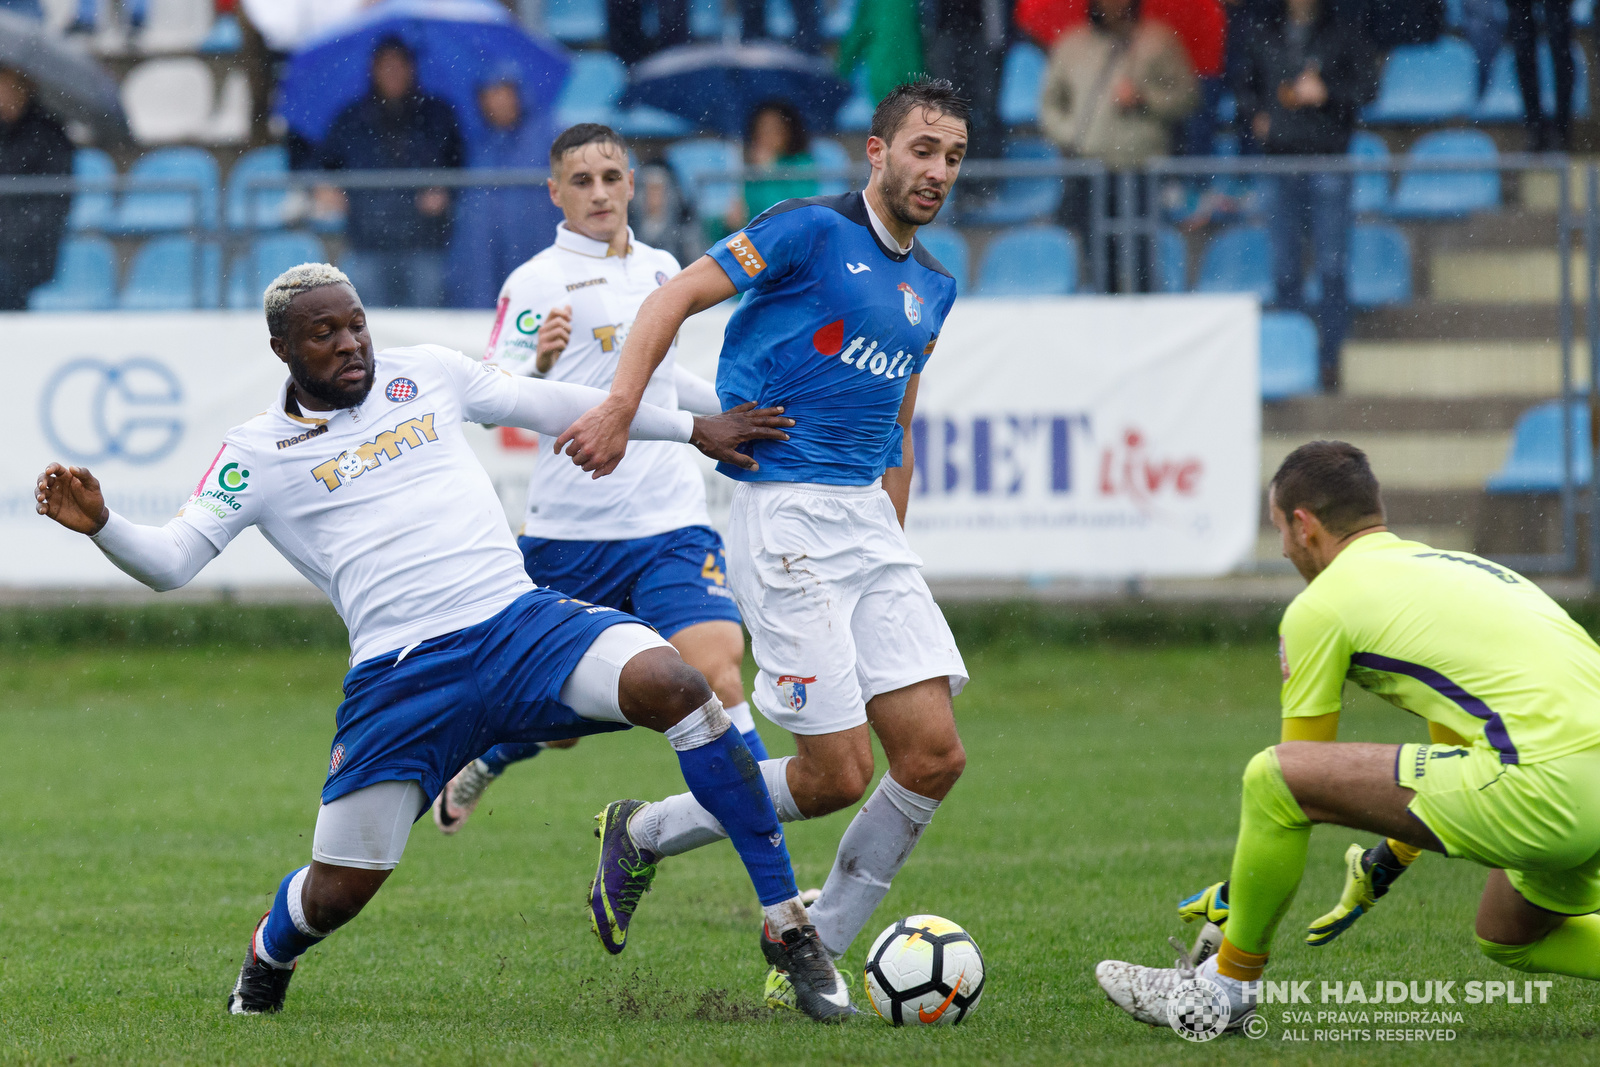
x=497 y=229
x=625 y=34
x=1115 y=88
x=1301 y=84
x=968 y=47
x=807 y=23
x=657 y=212
x=1544 y=135
x=88 y=15
x=885 y=36
x=31 y=142
x=775 y=135
x=1483 y=24
x=397 y=237
x=27 y=8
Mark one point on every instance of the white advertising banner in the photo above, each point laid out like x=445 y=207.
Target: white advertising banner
x=1083 y=437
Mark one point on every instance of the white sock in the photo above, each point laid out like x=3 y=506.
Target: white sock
x=785 y=916
x=740 y=715
x=871 y=853
x=678 y=824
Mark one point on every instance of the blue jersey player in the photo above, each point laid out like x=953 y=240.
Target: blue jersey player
x=842 y=311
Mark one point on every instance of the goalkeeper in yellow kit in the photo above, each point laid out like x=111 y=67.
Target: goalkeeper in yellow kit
x=1510 y=687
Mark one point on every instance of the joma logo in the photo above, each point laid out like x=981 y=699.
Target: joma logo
x=357 y=461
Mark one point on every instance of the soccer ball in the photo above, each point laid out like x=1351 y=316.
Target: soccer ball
x=924 y=971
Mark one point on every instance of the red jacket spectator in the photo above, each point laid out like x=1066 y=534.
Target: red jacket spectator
x=1200 y=24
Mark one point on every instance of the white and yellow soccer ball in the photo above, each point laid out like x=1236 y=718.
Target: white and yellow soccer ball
x=924 y=971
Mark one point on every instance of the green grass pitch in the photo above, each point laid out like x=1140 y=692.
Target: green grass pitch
x=150 y=801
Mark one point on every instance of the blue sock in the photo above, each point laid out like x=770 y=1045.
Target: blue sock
x=500 y=757
x=753 y=742
x=285 y=936
x=724 y=778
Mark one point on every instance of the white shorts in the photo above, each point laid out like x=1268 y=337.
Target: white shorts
x=368 y=828
x=835 y=603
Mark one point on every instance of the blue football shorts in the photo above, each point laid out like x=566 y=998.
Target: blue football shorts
x=671 y=581
x=422 y=715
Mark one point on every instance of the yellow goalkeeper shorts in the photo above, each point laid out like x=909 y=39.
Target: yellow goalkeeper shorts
x=1539 y=822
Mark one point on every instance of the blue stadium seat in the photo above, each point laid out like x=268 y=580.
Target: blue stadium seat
x=643 y=121
x=1030 y=261
x=268 y=256
x=1443 y=194
x=575 y=20
x=705 y=155
x=162 y=276
x=593 y=89
x=1288 y=355
x=708 y=18
x=1022 y=199
x=856 y=114
x=85 y=280
x=257 y=207
x=826 y=152
x=1369 y=192
x=1426 y=83
x=1534 y=462
x=1502 y=99
x=1379 y=270
x=949 y=248
x=91 y=211
x=153 y=212
x=1238 y=260
x=1021 y=82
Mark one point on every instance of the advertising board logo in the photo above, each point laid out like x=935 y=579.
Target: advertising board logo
x=93 y=410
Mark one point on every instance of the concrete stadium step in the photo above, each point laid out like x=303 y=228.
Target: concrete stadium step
x=1428 y=320
x=1514 y=276
x=1410 y=460
x=1452 y=369
x=1329 y=416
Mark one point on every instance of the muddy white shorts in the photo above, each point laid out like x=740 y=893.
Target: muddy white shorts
x=835 y=603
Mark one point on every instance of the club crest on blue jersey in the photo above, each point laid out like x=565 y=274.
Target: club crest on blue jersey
x=336 y=759
x=400 y=390
x=792 y=688
x=913 y=303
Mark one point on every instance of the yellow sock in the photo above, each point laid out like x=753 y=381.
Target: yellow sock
x=1403 y=852
x=1235 y=962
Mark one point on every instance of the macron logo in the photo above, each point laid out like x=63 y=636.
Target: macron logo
x=856 y=268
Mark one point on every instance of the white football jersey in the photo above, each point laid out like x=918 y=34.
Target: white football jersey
x=383 y=506
x=657 y=487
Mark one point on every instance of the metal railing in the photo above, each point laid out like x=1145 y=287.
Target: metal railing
x=1117 y=217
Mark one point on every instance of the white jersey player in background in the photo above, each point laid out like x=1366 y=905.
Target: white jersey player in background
x=641 y=540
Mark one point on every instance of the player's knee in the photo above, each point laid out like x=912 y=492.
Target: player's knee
x=840 y=786
x=1513 y=956
x=329 y=904
x=1266 y=791
x=657 y=689
x=933 y=770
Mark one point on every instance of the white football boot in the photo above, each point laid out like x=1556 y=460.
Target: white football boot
x=455 y=803
x=1148 y=993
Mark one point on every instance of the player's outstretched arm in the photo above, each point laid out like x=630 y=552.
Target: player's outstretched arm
x=601 y=435
x=695 y=394
x=719 y=436
x=163 y=557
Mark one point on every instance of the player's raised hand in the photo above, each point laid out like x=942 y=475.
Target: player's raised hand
x=72 y=497
x=599 y=439
x=555 y=333
x=719 y=436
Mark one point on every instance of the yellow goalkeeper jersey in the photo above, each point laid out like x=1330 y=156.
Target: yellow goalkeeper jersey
x=1449 y=636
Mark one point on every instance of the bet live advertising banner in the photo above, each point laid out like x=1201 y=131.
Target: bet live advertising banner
x=1085 y=437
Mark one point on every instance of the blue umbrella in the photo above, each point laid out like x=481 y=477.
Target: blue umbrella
x=455 y=42
x=717 y=86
